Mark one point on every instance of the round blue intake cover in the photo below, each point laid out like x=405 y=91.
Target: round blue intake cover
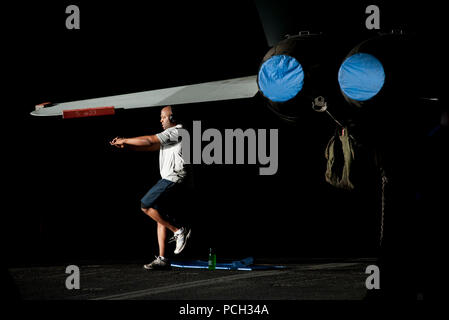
x=281 y=78
x=361 y=76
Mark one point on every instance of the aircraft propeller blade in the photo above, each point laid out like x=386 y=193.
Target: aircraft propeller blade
x=237 y=88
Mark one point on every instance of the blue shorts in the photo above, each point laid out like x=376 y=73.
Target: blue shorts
x=157 y=196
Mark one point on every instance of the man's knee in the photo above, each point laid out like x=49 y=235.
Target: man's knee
x=147 y=211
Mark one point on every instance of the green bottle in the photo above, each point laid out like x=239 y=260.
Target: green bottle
x=212 y=260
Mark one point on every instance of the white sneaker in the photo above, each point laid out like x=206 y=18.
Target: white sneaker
x=181 y=239
x=158 y=264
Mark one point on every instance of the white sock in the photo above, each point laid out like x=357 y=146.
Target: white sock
x=163 y=258
x=179 y=231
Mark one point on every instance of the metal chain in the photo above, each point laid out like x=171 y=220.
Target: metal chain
x=384 y=183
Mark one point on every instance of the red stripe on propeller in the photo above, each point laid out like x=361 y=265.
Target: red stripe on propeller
x=90 y=112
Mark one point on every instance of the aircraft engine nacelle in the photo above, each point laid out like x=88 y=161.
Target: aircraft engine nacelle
x=388 y=82
x=293 y=73
x=385 y=70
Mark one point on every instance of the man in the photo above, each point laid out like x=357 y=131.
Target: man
x=157 y=200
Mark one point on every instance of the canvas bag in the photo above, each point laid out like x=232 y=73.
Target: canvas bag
x=340 y=156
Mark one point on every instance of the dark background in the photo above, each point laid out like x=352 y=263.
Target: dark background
x=70 y=196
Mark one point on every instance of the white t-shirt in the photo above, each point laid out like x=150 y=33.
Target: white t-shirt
x=171 y=163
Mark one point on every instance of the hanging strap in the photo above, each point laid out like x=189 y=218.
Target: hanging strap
x=384 y=180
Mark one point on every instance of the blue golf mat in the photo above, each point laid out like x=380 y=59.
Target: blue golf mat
x=246 y=264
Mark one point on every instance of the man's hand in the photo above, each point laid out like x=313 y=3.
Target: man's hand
x=118 y=142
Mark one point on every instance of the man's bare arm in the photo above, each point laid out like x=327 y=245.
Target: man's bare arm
x=142 y=143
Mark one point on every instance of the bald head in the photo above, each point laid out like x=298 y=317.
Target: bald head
x=167 y=109
x=166 y=112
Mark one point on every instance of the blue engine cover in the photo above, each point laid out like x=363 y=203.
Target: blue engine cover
x=361 y=76
x=281 y=78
